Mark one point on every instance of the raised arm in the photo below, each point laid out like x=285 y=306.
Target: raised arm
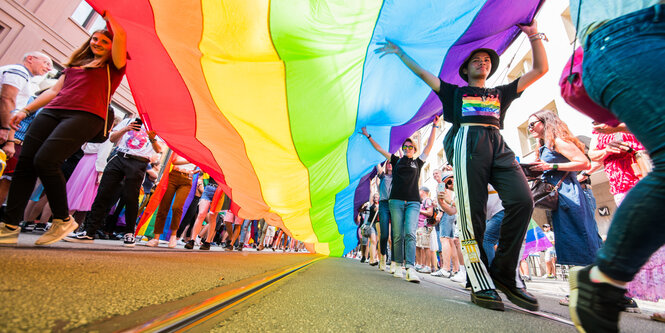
x=119 y=46
x=389 y=47
x=432 y=136
x=375 y=144
x=540 y=66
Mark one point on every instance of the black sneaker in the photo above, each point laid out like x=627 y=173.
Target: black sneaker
x=594 y=307
x=362 y=260
x=488 y=299
x=205 y=246
x=80 y=238
x=228 y=247
x=190 y=244
x=629 y=305
x=28 y=226
x=40 y=227
x=129 y=240
x=519 y=296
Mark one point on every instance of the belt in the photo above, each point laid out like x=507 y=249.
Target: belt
x=186 y=174
x=133 y=157
x=479 y=124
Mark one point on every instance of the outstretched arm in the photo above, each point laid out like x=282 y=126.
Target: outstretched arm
x=389 y=47
x=432 y=136
x=375 y=144
x=540 y=66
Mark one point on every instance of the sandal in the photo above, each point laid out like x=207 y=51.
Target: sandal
x=658 y=317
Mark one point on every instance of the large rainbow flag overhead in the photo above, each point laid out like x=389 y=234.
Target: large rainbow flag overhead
x=268 y=96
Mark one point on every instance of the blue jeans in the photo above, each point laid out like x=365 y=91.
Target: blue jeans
x=384 y=222
x=404 y=223
x=246 y=224
x=591 y=200
x=491 y=238
x=623 y=71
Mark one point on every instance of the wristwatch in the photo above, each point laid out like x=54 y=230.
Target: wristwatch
x=555 y=166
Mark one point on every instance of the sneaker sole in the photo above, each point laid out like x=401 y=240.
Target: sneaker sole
x=515 y=299
x=71 y=228
x=572 y=300
x=9 y=240
x=487 y=304
x=129 y=245
x=74 y=240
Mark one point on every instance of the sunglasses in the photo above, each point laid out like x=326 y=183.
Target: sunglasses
x=533 y=123
x=450 y=182
x=406 y=147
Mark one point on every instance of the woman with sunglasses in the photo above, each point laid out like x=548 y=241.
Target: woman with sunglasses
x=404 y=200
x=561 y=155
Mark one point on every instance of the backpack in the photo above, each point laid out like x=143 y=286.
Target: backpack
x=436 y=216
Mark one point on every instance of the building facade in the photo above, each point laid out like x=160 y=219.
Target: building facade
x=56 y=28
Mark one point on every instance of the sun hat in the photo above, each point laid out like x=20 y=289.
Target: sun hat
x=494 y=57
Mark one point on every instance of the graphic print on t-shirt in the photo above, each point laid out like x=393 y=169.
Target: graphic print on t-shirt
x=137 y=139
x=484 y=105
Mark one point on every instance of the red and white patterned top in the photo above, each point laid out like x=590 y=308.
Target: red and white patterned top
x=618 y=166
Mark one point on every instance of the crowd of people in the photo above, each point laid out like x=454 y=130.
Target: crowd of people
x=72 y=165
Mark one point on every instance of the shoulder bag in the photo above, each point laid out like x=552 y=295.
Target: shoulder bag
x=546 y=195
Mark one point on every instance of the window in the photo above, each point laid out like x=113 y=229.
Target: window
x=425 y=174
x=440 y=158
x=86 y=17
x=568 y=25
x=521 y=68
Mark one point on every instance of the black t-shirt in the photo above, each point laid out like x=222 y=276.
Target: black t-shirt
x=479 y=105
x=373 y=212
x=406 y=172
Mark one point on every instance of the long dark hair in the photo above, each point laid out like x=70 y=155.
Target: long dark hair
x=554 y=128
x=84 y=54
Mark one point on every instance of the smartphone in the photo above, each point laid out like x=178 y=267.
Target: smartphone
x=138 y=121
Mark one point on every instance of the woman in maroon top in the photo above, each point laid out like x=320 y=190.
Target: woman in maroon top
x=76 y=108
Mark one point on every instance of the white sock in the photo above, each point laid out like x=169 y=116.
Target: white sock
x=596 y=276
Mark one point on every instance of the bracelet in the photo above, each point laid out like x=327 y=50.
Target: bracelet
x=5 y=128
x=436 y=126
x=555 y=166
x=369 y=136
x=538 y=35
x=27 y=113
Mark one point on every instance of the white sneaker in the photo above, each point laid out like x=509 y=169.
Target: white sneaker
x=412 y=275
x=399 y=272
x=393 y=267
x=441 y=273
x=382 y=263
x=418 y=267
x=425 y=270
x=459 y=277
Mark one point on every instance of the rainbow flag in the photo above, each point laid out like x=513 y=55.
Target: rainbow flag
x=536 y=240
x=269 y=96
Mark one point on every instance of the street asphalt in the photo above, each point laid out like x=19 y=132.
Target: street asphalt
x=104 y=287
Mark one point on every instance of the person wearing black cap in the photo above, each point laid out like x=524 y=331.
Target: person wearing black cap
x=480 y=157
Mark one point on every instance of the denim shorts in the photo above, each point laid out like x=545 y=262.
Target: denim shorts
x=447 y=226
x=209 y=192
